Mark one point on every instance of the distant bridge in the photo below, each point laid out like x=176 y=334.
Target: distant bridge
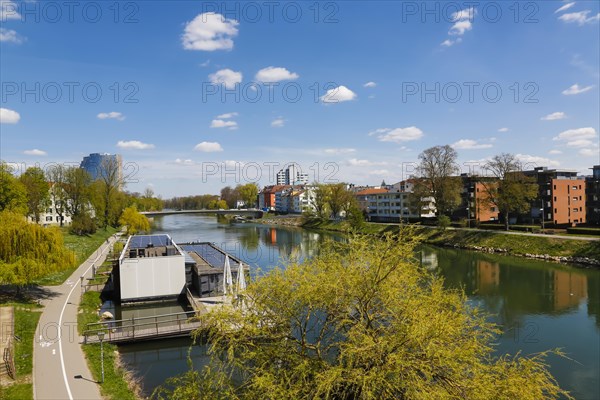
x=253 y=213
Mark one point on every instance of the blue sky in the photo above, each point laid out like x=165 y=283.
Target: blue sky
x=403 y=76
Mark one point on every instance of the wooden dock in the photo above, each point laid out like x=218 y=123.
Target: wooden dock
x=144 y=328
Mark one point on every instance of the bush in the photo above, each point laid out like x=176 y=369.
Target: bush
x=83 y=225
x=443 y=221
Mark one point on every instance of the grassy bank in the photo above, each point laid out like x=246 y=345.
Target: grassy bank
x=83 y=247
x=116 y=379
x=519 y=245
x=26 y=319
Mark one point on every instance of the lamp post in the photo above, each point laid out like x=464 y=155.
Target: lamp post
x=468 y=218
x=101 y=338
x=542 y=211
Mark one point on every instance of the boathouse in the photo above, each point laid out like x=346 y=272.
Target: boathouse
x=151 y=267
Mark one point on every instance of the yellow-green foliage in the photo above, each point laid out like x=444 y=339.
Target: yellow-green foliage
x=361 y=321
x=134 y=221
x=29 y=251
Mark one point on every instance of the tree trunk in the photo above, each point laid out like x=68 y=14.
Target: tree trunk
x=506 y=220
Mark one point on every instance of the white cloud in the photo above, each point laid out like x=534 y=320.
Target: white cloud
x=531 y=161
x=370 y=85
x=35 y=152
x=580 y=18
x=576 y=134
x=338 y=95
x=205 y=63
x=469 y=144
x=503 y=130
x=380 y=172
x=555 y=152
x=209 y=32
x=10 y=36
x=134 y=145
x=565 y=7
x=186 y=162
x=593 y=152
x=575 y=89
x=227 y=115
x=466 y=14
x=448 y=42
x=227 y=77
x=8 y=116
x=581 y=138
x=219 y=123
x=364 y=163
x=459 y=28
x=208 y=147
x=554 y=116
x=398 y=135
x=9 y=10
x=111 y=115
x=344 y=150
x=275 y=74
x=278 y=123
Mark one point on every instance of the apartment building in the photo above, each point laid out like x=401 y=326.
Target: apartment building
x=592 y=195
x=391 y=204
x=292 y=175
x=561 y=197
x=475 y=205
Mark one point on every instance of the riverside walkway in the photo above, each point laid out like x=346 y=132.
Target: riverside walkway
x=60 y=369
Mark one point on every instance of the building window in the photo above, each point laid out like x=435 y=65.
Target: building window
x=49 y=211
x=555 y=210
x=49 y=219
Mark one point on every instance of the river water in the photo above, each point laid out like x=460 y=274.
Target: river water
x=539 y=305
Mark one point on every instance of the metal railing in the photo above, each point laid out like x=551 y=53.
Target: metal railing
x=141 y=328
x=197 y=306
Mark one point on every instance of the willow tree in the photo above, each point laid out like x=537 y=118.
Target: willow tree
x=361 y=321
x=29 y=251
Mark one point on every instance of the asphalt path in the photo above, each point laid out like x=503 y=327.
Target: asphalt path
x=60 y=370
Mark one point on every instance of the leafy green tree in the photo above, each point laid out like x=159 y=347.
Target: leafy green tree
x=78 y=192
x=83 y=224
x=340 y=199
x=37 y=189
x=509 y=189
x=361 y=321
x=134 y=221
x=437 y=171
x=248 y=193
x=13 y=195
x=320 y=201
x=110 y=181
x=217 y=205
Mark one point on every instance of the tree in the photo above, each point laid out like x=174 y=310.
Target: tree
x=217 y=205
x=230 y=195
x=360 y=321
x=13 y=195
x=248 y=193
x=509 y=190
x=29 y=251
x=340 y=199
x=111 y=181
x=77 y=189
x=57 y=180
x=436 y=170
x=320 y=201
x=134 y=221
x=37 y=190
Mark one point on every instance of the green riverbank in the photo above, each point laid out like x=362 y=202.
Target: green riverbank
x=550 y=248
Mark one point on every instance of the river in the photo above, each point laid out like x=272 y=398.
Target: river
x=539 y=305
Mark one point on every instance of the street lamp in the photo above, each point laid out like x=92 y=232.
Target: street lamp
x=468 y=218
x=542 y=211
x=101 y=338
